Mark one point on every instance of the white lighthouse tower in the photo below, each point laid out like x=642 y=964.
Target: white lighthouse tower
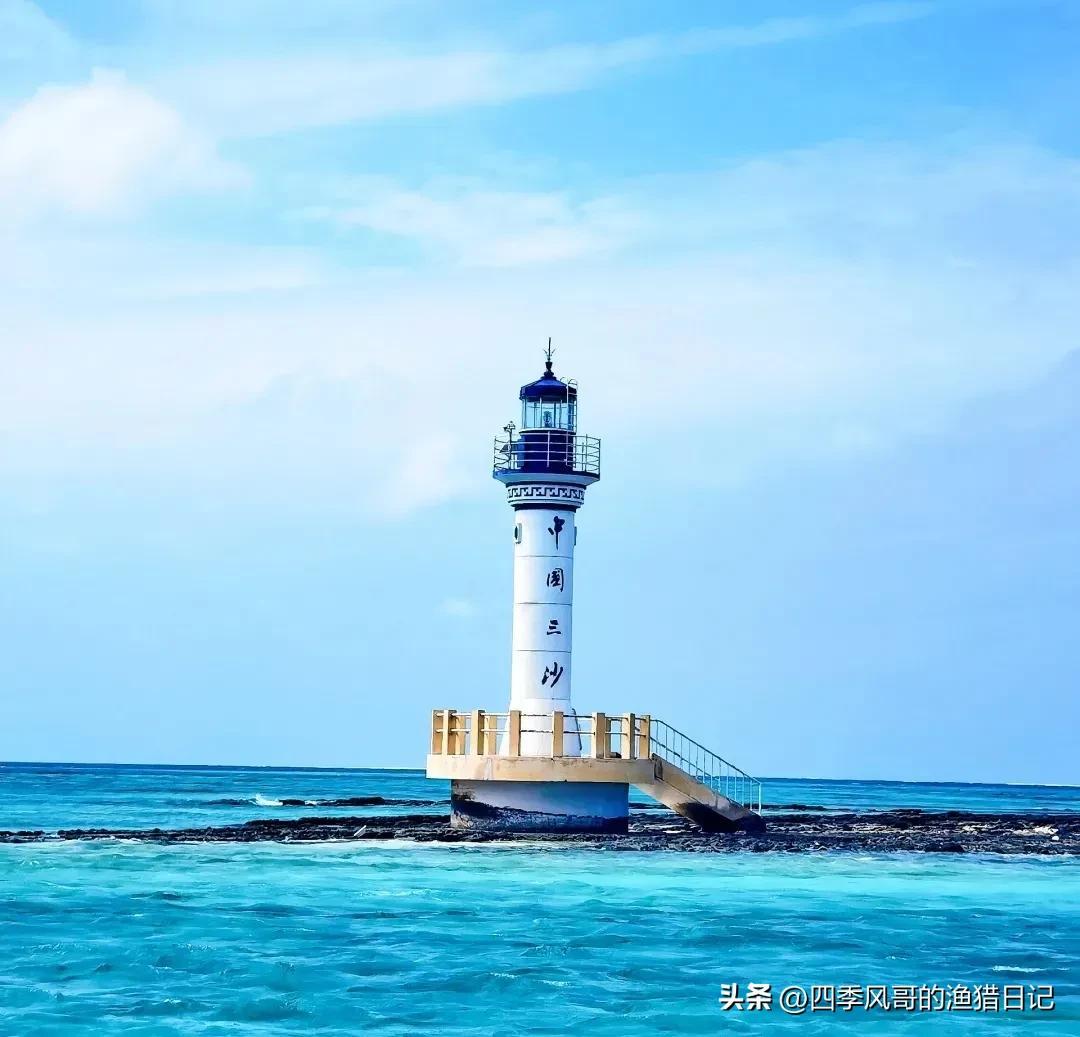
x=546 y=469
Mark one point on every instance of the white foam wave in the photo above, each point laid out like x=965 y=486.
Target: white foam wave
x=1013 y=968
x=266 y=801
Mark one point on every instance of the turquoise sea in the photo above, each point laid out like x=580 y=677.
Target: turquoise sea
x=119 y=937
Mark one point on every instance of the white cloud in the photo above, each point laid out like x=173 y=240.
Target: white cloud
x=489 y=227
x=427 y=467
x=267 y=96
x=785 y=30
x=825 y=301
x=963 y=199
x=100 y=147
x=458 y=608
x=258 y=96
x=958 y=201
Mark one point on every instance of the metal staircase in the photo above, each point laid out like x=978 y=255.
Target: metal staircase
x=699 y=784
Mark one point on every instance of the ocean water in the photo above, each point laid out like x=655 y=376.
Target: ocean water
x=64 y=795
x=120 y=937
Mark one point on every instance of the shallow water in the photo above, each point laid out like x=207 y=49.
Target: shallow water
x=120 y=937
x=123 y=938
x=52 y=796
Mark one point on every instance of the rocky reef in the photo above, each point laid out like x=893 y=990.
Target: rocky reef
x=798 y=828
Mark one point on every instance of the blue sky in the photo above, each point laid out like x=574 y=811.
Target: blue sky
x=272 y=273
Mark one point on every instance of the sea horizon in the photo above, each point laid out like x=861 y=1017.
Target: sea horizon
x=420 y=770
x=54 y=795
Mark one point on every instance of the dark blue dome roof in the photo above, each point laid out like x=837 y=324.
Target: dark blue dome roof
x=547 y=387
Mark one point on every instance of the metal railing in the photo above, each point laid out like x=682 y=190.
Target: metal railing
x=625 y=736
x=548 y=450
x=704 y=765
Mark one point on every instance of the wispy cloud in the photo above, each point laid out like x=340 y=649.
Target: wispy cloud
x=963 y=200
x=784 y=30
x=829 y=301
x=266 y=96
x=28 y=35
x=486 y=227
x=457 y=608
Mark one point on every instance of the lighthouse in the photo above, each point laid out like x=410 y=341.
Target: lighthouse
x=546 y=465
x=546 y=468
x=543 y=764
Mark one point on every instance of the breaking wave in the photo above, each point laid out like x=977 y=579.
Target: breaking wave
x=259 y=800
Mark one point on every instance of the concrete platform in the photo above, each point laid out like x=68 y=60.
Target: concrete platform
x=513 y=772
x=539 y=768
x=525 y=793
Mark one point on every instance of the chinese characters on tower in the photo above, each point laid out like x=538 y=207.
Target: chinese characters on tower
x=556 y=580
x=556 y=528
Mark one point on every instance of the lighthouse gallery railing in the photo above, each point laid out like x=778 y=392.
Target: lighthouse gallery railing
x=598 y=735
x=548 y=450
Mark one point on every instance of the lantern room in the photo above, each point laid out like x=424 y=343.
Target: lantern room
x=548 y=403
x=548 y=441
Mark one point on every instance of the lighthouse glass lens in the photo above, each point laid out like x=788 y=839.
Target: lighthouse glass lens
x=554 y=414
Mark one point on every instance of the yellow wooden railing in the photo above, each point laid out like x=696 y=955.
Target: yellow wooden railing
x=626 y=736
x=482 y=733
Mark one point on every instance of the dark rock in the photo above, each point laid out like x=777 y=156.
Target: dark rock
x=883 y=831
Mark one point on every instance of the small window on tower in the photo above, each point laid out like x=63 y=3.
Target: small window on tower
x=517 y=533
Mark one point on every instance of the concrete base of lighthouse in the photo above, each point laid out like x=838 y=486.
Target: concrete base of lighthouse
x=539 y=806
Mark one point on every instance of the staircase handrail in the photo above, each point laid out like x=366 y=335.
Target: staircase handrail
x=710 y=768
